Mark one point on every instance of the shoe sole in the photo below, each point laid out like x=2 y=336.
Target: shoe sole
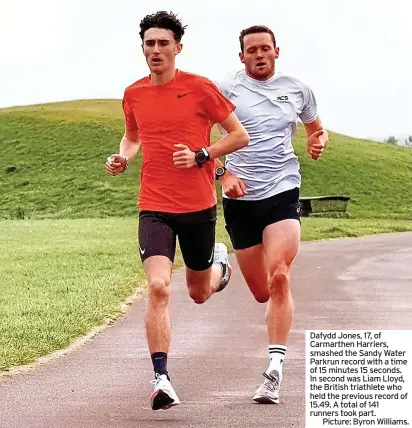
x=175 y=403
x=161 y=400
x=265 y=400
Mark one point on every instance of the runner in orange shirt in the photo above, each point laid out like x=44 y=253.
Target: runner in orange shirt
x=170 y=114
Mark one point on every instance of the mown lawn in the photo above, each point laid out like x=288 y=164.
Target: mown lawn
x=60 y=278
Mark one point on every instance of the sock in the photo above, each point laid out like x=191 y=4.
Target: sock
x=159 y=360
x=277 y=355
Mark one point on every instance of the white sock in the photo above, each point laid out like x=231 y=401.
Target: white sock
x=277 y=355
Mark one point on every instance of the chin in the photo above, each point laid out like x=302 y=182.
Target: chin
x=157 y=70
x=263 y=74
x=260 y=75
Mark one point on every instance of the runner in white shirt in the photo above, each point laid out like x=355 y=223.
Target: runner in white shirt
x=261 y=185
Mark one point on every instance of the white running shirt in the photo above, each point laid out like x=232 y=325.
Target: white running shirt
x=269 y=111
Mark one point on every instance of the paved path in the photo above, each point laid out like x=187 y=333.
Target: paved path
x=219 y=349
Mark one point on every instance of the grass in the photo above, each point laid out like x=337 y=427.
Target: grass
x=53 y=166
x=67 y=267
x=60 y=278
x=322 y=228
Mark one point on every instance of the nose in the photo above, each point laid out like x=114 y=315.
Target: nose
x=156 y=48
x=259 y=54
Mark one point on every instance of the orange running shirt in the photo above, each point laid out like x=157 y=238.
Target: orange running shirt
x=180 y=111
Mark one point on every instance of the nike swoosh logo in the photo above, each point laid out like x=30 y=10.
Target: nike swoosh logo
x=182 y=95
x=141 y=250
x=211 y=257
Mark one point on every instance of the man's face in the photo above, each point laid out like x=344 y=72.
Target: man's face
x=259 y=55
x=160 y=49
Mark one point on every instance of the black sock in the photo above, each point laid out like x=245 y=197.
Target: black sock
x=159 y=360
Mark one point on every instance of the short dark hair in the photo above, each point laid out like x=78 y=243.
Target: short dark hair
x=162 y=19
x=253 y=30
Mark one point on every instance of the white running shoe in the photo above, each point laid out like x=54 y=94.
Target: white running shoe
x=221 y=256
x=268 y=392
x=163 y=396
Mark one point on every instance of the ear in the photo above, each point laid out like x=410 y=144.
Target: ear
x=142 y=47
x=242 y=57
x=276 y=53
x=179 y=48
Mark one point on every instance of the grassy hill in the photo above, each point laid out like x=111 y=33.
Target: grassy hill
x=70 y=270
x=53 y=155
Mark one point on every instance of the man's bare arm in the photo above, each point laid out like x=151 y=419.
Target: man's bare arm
x=129 y=146
x=314 y=126
x=236 y=138
x=218 y=163
x=233 y=186
x=317 y=138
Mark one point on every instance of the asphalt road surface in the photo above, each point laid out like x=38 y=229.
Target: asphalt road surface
x=219 y=349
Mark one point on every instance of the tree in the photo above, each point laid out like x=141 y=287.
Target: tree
x=391 y=140
x=408 y=141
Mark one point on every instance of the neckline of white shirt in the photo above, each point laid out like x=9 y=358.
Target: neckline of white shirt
x=262 y=82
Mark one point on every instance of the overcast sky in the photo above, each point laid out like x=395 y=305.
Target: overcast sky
x=356 y=55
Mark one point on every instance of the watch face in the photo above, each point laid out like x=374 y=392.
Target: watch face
x=220 y=171
x=200 y=157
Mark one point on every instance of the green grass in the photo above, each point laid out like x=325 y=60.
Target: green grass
x=323 y=228
x=60 y=278
x=53 y=156
x=69 y=267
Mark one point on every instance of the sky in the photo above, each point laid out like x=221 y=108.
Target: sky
x=356 y=55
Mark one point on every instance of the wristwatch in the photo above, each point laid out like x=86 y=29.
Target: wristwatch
x=126 y=163
x=220 y=171
x=201 y=157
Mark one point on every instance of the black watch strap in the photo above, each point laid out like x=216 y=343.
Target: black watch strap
x=202 y=156
x=220 y=172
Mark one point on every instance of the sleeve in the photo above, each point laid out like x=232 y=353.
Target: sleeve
x=309 y=110
x=129 y=119
x=222 y=88
x=213 y=103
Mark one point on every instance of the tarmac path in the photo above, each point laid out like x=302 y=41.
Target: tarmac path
x=219 y=349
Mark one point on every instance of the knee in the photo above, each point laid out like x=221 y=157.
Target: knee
x=197 y=296
x=158 y=288
x=278 y=282
x=258 y=288
x=261 y=297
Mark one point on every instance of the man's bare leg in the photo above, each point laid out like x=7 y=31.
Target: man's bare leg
x=158 y=273
x=281 y=243
x=202 y=284
x=252 y=264
x=266 y=269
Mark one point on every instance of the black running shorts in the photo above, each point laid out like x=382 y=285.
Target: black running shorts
x=196 y=232
x=246 y=220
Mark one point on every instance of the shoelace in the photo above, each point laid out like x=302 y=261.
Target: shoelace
x=274 y=385
x=156 y=380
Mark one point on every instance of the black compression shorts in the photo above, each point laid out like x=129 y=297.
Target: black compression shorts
x=246 y=220
x=196 y=232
